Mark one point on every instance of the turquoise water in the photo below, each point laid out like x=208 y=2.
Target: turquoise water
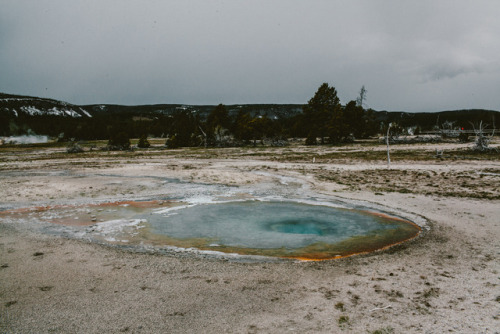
x=268 y=225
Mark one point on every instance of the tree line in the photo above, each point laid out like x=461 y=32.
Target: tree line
x=323 y=120
x=323 y=117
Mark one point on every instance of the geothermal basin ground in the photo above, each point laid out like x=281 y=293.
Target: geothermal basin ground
x=60 y=276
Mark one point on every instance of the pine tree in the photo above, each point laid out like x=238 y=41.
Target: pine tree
x=322 y=113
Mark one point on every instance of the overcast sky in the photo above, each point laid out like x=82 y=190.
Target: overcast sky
x=410 y=55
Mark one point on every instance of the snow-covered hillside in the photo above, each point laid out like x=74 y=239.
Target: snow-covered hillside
x=34 y=106
x=55 y=111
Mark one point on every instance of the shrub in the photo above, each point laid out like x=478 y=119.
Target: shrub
x=340 y=306
x=463 y=137
x=143 y=142
x=119 y=141
x=386 y=330
x=172 y=142
x=343 y=321
x=311 y=139
x=73 y=147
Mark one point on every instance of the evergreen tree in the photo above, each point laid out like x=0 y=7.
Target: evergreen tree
x=261 y=127
x=337 y=130
x=321 y=110
x=242 y=128
x=119 y=140
x=183 y=130
x=354 y=119
x=219 y=117
x=218 y=124
x=371 y=124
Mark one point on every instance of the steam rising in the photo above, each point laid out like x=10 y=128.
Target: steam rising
x=25 y=139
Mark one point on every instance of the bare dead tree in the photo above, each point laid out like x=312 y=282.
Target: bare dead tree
x=482 y=140
x=362 y=96
x=204 y=136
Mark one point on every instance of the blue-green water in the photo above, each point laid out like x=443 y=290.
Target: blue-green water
x=271 y=225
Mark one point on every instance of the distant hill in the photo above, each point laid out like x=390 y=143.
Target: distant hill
x=16 y=105
x=24 y=114
x=33 y=106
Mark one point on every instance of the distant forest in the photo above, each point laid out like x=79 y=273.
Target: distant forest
x=322 y=120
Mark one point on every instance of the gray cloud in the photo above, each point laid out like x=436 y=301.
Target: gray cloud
x=448 y=70
x=416 y=56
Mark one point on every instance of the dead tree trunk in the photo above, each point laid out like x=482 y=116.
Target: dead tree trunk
x=204 y=136
x=387 y=141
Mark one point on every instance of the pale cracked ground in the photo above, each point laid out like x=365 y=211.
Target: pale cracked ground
x=445 y=281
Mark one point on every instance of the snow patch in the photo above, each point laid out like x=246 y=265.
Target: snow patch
x=55 y=111
x=32 y=110
x=62 y=112
x=85 y=112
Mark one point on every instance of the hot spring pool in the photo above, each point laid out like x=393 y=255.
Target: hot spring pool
x=274 y=228
x=282 y=229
